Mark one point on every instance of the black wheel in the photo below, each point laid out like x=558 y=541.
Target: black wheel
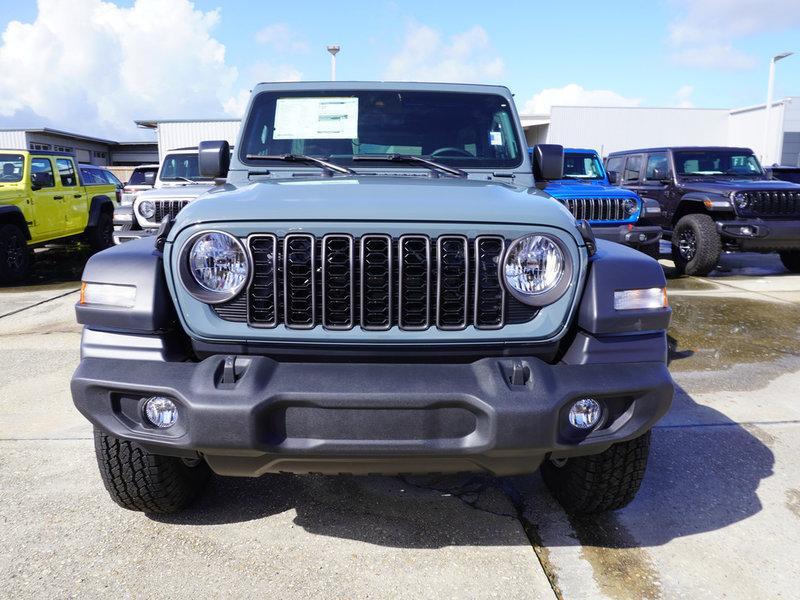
x=15 y=256
x=601 y=482
x=791 y=260
x=696 y=245
x=101 y=236
x=139 y=480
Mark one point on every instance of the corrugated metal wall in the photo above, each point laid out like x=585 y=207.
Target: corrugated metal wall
x=13 y=140
x=790 y=154
x=610 y=129
x=184 y=134
x=746 y=128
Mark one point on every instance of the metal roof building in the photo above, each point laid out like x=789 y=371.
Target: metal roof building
x=182 y=133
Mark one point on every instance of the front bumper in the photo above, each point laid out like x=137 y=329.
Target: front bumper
x=761 y=234
x=263 y=416
x=629 y=235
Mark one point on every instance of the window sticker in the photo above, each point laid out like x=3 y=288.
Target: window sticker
x=316 y=118
x=496 y=138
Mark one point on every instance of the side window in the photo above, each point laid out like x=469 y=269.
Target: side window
x=109 y=177
x=615 y=164
x=42 y=172
x=657 y=166
x=632 y=167
x=66 y=171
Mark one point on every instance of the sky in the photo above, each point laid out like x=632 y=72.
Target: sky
x=94 y=66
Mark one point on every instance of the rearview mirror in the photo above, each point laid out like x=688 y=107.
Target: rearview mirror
x=214 y=159
x=548 y=162
x=613 y=177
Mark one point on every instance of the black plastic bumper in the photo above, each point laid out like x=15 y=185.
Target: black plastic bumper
x=636 y=235
x=760 y=234
x=264 y=416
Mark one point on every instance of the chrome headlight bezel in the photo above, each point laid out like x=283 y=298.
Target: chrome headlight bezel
x=631 y=207
x=740 y=200
x=551 y=294
x=194 y=287
x=147 y=209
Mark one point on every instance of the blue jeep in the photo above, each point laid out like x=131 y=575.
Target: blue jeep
x=615 y=214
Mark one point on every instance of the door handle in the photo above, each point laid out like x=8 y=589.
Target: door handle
x=77 y=196
x=58 y=197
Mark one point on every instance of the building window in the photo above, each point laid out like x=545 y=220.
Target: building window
x=35 y=146
x=63 y=149
x=98 y=154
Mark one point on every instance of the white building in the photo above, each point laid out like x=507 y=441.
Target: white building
x=185 y=133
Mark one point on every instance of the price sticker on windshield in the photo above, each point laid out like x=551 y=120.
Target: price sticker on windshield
x=316 y=118
x=496 y=138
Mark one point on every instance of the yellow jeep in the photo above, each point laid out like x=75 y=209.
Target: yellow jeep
x=42 y=200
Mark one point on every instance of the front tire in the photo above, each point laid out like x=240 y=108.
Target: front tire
x=791 y=260
x=101 y=236
x=600 y=482
x=15 y=256
x=696 y=245
x=139 y=480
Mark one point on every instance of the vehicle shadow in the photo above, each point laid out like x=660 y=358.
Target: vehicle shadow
x=703 y=475
x=52 y=266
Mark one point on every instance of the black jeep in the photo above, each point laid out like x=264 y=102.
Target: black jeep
x=714 y=199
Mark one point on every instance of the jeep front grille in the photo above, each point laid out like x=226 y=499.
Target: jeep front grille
x=774 y=203
x=597 y=209
x=168 y=207
x=375 y=282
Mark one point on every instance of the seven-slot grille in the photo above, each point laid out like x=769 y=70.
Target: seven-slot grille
x=375 y=282
x=168 y=207
x=774 y=203
x=597 y=209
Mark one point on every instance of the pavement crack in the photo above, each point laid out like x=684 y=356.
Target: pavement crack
x=468 y=492
x=24 y=308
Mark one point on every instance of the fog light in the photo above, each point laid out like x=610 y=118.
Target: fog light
x=642 y=237
x=585 y=413
x=161 y=412
x=747 y=230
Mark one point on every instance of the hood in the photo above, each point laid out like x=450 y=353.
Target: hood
x=175 y=193
x=571 y=188
x=378 y=199
x=726 y=186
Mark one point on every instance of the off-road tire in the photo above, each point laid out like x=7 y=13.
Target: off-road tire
x=15 y=257
x=791 y=260
x=708 y=245
x=600 y=482
x=101 y=236
x=139 y=480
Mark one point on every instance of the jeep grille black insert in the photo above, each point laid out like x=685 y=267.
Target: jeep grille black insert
x=168 y=207
x=597 y=209
x=375 y=282
x=774 y=203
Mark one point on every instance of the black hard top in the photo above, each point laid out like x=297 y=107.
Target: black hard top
x=679 y=149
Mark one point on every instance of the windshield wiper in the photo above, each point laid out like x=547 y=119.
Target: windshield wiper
x=409 y=158
x=186 y=179
x=328 y=166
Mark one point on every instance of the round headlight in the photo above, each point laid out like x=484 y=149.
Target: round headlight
x=740 y=199
x=536 y=269
x=631 y=206
x=216 y=267
x=147 y=209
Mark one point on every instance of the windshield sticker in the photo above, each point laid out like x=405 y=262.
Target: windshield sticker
x=316 y=118
x=496 y=138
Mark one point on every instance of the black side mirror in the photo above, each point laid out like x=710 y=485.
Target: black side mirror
x=613 y=177
x=214 y=159
x=659 y=175
x=149 y=178
x=548 y=162
x=36 y=186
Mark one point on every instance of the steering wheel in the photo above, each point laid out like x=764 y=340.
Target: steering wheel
x=449 y=150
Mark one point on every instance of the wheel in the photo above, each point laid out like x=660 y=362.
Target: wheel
x=15 y=257
x=696 y=245
x=139 y=480
x=101 y=236
x=600 y=482
x=791 y=260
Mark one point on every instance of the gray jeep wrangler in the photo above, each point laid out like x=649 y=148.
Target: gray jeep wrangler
x=374 y=285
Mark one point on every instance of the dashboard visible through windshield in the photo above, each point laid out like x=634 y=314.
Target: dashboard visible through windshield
x=717 y=162
x=465 y=130
x=181 y=167
x=582 y=166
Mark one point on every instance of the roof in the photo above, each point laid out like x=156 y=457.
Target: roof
x=585 y=150
x=77 y=136
x=38 y=152
x=154 y=123
x=679 y=149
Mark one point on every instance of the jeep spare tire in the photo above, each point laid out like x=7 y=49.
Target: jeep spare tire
x=15 y=257
x=696 y=245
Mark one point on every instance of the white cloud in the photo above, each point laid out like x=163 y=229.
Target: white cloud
x=426 y=56
x=93 y=67
x=575 y=95
x=705 y=31
x=683 y=97
x=281 y=38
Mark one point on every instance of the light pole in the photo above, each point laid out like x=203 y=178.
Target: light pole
x=334 y=50
x=766 y=151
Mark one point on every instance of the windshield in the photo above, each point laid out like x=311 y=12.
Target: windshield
x=582 y=166
x=458 y=129
x=717 y=162
x=180 y=167
x=137 y=177
x=11 y=168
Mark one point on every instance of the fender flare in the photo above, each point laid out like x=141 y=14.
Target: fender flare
x=13 y=214
x=96 y=208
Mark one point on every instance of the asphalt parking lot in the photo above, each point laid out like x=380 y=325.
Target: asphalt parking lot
x=718 y=514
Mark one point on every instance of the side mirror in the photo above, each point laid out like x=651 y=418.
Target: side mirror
x=149 y=178
x=35 y=186
x=548 y=162
x=659 y=175
x=613 y=177
x=214 y=159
